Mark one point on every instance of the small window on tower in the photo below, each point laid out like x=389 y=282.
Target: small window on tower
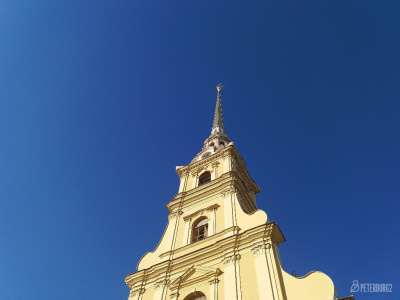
x=222 y=143
x=212 y=145
x=196 y=296
x=204 y=178
x=200 y=230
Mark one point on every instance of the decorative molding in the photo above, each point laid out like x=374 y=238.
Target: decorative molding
x=215 y=164
x=138 y=292
x=161 y=284
x=220 y=154
x=231 y=259
x=202 y=202
x=229 y=191
x=200 y=211
x=213 y=281
x=175 y=214
x=194 y=277
x=221 y=244
x=183 y=174
x=174 y=295
x=260 y=249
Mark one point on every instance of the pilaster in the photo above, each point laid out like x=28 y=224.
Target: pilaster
x=226 y=160
x=213 y=219
x=136 y=294
x=195 y=179
x=160 y=290
x=174 y=296
x=232 y=284
x=183 y=182
x=214 y=173
x=186 y=233
x=214 y=289
x=173 y=222
x=267 y=278
x=229 y=196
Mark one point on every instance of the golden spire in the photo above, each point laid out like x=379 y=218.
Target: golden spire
x=218 y=125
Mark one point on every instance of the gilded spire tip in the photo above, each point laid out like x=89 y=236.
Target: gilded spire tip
x=219 y=87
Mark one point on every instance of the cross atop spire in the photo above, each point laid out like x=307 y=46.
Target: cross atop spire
x=218 y=125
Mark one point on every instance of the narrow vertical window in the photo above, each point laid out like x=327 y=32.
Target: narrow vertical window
x=200 y=230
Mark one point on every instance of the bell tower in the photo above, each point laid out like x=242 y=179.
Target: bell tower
x=217 y=245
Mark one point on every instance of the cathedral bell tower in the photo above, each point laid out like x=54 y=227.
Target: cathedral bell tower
x=217 y=245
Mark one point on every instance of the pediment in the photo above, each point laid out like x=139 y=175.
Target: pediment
x=194 y=275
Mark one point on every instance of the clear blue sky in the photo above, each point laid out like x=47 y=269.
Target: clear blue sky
x=100 y=98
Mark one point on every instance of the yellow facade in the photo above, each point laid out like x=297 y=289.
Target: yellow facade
x=217 y=244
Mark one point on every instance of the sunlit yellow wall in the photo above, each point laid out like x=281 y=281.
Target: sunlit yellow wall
x=237 y=261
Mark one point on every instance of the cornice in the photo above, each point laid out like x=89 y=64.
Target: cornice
x=213 y=239
x=228 y=182
x=137 y=292
x=227 y=250
x=236 y=244
x=229 y=150
x=195 y=167
x=207 y=274
x=229 y=260
x=209 y=208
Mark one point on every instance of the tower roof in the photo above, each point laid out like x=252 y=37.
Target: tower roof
x=218 y=138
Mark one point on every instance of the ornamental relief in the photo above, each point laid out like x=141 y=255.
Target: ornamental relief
x=175 y=214
x=174 y=295
x=183 y=174
x=231 y=259
x=213 y=281
x=229 y=191
x=160 y=284
x=261 y=249
x=138 y=292
x=201 y=212
x=198 y=171
x=215 y=164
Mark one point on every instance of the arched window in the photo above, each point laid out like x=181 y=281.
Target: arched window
x=204 y=178
x=200 y=230
x=196 y=296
